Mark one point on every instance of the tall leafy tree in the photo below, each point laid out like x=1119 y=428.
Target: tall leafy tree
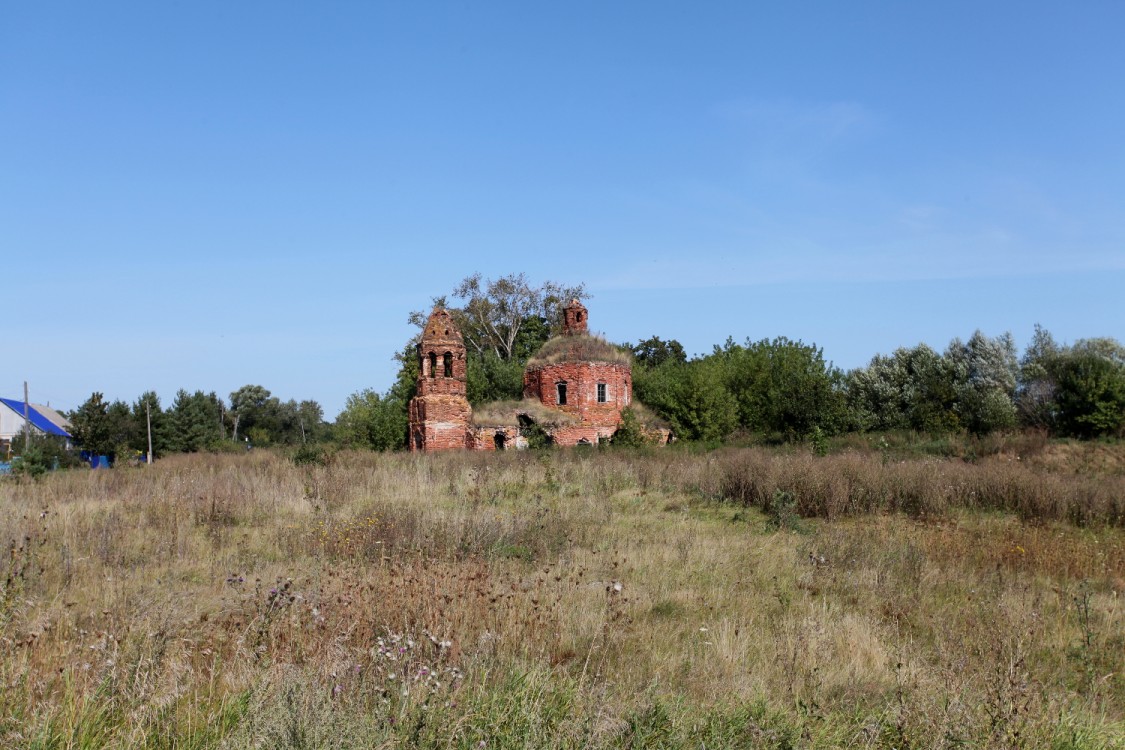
x=784 y=388
x=372 y=421
x=911 y=389
x=310 y=419
x=496 y=315
x=692 y=396
x=504 y=322
x=249 y=405
x=1037 y=387
x=1089 y=382
x=489 y=378
x=653 y=352
x=984 y=374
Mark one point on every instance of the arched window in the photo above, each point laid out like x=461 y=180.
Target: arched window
x=433 y=365
x=561 y=392
x=448 y=364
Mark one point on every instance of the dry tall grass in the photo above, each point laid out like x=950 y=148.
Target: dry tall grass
x=566 y=599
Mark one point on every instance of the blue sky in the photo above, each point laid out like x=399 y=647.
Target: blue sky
x=203 y=195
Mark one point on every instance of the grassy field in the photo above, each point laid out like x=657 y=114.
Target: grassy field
x=734 y=598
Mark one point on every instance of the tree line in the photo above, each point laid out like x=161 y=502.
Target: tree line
x=773 y=389
x=776 y=389
x=195 y=422
x=785 y=390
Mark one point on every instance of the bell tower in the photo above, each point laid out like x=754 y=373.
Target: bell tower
x=575 y=319
x=440 y=413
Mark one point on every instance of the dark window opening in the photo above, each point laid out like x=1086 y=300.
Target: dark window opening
x=433 y=365
x=498 y=440
x=419 y=441
x=601 y=393
x=448 y=365
x=578 y=317
x=561 y=387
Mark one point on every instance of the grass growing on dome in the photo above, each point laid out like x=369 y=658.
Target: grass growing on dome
x=506 y=414
x=579 y=348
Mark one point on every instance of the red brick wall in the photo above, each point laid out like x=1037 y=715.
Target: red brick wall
x=568 y=436
x=582 y=379
x=441 y=421
x=484 y=438
x=576 y=319
x=440 y=414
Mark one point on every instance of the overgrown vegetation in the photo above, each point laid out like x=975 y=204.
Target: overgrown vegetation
x=578 y=348
x=769 y=391
x=736 y=598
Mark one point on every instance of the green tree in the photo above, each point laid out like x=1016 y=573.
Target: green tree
x=631 y=433
x=1076 y=390
x=1035 y=395
x=692 y=396
x=249 y=405
x=195 y=420
x=784 y=388
x=310 y=419
x=372 y=421
x=503 y=323
x=984 y=373
x=138 y=434
x=489 y=378
x=1090 y=393
x=911 y=389
x=654 y=352
x=507 y=316
x=92 y=427
x=43 y=453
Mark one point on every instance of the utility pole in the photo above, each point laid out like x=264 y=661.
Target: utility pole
x=26 y=421
x=148 y=421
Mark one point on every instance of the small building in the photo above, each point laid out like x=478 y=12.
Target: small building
x=44 y=420
x=574 y=391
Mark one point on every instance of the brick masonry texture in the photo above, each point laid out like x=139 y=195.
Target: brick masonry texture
x=581 y=380
x=576 y=318
x=440 y=415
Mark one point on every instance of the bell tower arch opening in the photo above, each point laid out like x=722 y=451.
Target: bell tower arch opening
x=575 y=319
x=440 y=413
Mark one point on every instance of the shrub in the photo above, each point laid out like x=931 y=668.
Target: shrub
x=782 y=512
x=631 y=434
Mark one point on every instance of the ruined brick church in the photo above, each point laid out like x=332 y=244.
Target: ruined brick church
x=574 y=390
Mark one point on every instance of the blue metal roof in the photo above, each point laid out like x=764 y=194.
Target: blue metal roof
x=36 y=418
